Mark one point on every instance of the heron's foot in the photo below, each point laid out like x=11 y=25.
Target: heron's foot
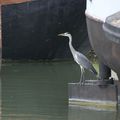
x=82 y=82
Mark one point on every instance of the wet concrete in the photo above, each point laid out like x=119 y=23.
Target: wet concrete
x=93 y=96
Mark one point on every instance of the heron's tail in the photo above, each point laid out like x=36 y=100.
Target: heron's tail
x=94 y=71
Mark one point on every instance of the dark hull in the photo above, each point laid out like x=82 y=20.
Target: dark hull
x=0 y=30
x=30 y=29
x=108 y=51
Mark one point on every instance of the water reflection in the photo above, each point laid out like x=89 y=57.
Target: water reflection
x=35 y=91
x=39 y=91
x=76 y=113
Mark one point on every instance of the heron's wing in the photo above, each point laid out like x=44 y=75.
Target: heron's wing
x=83 y=61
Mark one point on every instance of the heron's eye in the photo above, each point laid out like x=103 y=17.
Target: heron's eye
x=67 y=33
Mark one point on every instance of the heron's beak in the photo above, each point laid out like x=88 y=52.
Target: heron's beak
x=61 y=34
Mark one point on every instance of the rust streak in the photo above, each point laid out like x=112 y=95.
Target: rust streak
x=4 y=2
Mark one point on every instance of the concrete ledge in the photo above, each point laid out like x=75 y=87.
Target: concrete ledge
x=96 y=105
x=93 y=96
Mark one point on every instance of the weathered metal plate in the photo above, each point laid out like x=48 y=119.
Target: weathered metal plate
x=38 y=23
x=93 y=96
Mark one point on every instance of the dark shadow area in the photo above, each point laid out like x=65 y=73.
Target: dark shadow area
x=30 y=29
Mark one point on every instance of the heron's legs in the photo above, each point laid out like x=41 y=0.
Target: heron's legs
x=83 y=79
x=82 y=75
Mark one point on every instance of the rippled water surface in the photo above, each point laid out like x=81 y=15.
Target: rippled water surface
x=39 y=91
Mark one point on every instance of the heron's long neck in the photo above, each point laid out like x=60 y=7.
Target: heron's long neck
x=70 y=45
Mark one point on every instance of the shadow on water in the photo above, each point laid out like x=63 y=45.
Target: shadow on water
x=39 y=91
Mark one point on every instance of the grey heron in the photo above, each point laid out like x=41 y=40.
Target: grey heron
x=79 y=58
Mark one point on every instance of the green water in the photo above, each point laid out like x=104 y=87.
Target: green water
x=39 y=91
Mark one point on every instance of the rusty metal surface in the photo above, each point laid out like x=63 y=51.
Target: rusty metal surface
x=4 y=2
x=107 y=51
